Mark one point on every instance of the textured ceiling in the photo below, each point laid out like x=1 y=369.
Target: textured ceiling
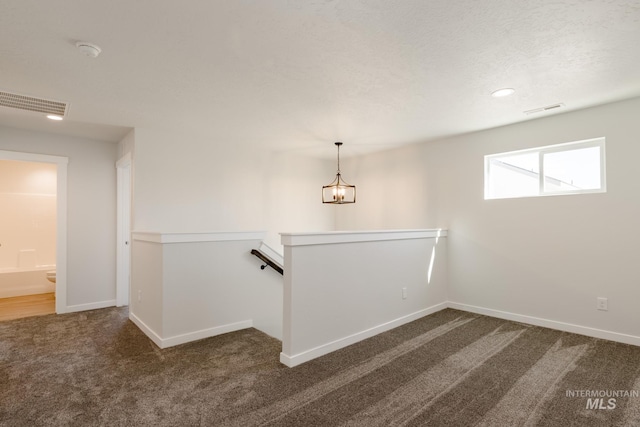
x=297 y=75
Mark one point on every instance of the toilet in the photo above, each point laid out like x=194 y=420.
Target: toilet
x=51 y=276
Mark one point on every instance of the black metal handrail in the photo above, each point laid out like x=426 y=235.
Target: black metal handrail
x=269 y=262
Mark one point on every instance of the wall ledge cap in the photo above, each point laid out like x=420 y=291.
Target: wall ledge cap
x=218 y=236
x=331 y=237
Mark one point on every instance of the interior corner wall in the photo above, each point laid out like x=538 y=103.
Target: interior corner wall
x=550 y=257
x=193 y=183
x=543 y=257
x=293 y=196
x=186 y=183
x=395 y=189
x=127 y=145
x=91 y=210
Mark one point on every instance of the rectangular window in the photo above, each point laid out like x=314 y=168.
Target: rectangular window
x=571 y=168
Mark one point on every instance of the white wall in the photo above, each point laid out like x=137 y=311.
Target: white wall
x=340 y=288
x=396 y=189
x=91 y=210
x=547 y=257
x=185 y=183
x=213 y=284
x=192 y=286
x=293 y=196
x=190 y=183
x=127 y=145
x=147 y=290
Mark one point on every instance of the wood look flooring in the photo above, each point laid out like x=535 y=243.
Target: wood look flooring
x=27 y=306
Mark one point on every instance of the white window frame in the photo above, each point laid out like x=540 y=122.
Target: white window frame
x=568 y=146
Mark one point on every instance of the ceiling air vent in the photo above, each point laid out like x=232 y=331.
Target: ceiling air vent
x=29 y=103
x=544 y=109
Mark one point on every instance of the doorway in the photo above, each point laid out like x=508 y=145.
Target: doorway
x=48 y=207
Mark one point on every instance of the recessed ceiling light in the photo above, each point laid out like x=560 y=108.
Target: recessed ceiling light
x=503 y=92
x=54 y=117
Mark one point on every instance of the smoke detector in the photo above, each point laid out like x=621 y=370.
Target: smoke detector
x=88 y=49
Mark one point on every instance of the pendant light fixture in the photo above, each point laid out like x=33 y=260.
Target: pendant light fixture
x=338 y=192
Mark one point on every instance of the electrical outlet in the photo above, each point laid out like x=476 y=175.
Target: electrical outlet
x=602 y=304
x=139 y=295
x=404 y=293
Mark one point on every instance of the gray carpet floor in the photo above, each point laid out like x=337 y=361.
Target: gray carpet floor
x=448 y=369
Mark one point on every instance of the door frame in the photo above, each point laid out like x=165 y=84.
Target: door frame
x=123 y=230
x=61 y=217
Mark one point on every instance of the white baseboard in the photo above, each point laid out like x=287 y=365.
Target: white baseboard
x=307 y=355
x=551 y=324
x=90 y=306
x=150 y=333
x=205 y=333
x=188 y=337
